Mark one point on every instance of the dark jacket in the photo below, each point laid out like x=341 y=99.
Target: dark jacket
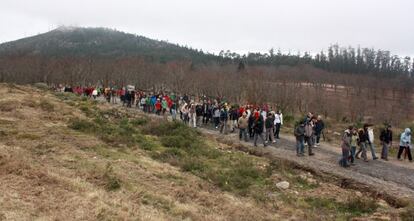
x=386 y=136
x=234 y=115
x=224 y=115
x=300 y=132
x=258 y=125
x=269 y=122
x=363 y=136
x=319 y=126
x=199 y=110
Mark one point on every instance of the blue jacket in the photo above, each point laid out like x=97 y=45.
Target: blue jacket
x=405 y=139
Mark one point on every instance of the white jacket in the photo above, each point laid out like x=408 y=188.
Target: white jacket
x=279 y=118
x=371 y=135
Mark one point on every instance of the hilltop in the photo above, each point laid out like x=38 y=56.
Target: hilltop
x=99 y=42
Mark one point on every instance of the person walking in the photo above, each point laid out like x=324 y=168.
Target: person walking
x=269 y=125
x=346 y=146
x=164 y=105
x=216 y=116
x=354 y=144
x=199 y=114
x=193 y=115
x=278 y=123
x=158 y=107
x=243 y=123
x=300 y=139
x=319 y=126
x=405 y=144
x=363 y=137
x=224 y=116
x=94 y=93
x=386 y=141
x=173 y=110
x=258 y=126
x=309 y=133
x=370 y=141
x=251 y=123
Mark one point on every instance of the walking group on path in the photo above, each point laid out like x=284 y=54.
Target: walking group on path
x=253 y=122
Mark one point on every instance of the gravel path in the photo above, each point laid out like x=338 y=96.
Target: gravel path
x=392 y=178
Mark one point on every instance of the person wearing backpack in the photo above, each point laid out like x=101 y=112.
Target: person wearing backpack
x=386 y=141
x=223 y=120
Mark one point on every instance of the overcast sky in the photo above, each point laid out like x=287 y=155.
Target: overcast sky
x=237 y=25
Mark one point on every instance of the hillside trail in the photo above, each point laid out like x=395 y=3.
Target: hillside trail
x=392 y=178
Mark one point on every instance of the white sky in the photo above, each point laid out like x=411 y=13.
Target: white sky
x=238 y=25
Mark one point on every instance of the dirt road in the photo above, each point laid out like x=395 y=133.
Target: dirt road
x=388 y=177
x=391 y=178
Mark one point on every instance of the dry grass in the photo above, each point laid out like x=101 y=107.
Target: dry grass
x=51 y=172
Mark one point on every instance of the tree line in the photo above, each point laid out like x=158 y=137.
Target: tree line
x=336 y=59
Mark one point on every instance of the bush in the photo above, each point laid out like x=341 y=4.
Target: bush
x=111 y=182
x=64 y=96
x=41 y=86
x=139 y=121
x=82 y=125
x=353 y=207
x=46 y=105
x=288 y=119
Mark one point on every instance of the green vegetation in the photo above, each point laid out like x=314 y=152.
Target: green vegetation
x=112 y=183
x=352 y=207
x=41 y=86
x=184 y=147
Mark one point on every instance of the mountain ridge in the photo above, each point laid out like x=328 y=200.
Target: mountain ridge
x=106 y=42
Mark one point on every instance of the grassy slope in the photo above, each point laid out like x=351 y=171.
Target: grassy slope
x=69 y=158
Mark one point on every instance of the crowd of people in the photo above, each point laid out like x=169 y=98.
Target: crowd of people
x=254 y=123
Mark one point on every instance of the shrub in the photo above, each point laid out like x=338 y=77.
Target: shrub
x=353 y=207
x=288 y=119
x=139 y=121
x=193 y=165
x=144 y=143
x=67 y=96
x=111 y=182
x=82 y=125
x=46 y=105
x=41 y=86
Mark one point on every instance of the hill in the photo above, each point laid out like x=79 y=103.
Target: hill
x=70 y=158
x=100 y=42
